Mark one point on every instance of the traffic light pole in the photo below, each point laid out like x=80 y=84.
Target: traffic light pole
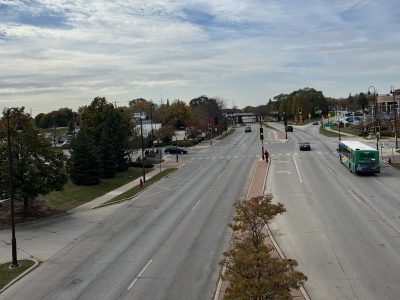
x=262 y=140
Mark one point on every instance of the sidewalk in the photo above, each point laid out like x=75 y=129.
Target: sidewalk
x=122 y=189
x=41 y=240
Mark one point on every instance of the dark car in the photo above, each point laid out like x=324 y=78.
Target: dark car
x=289 y=128
x=304 y=146
x=247 y=129
x=315 y=123
x=174 y=149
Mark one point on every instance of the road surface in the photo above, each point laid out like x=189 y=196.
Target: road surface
x=164 y=244
x=342 y=228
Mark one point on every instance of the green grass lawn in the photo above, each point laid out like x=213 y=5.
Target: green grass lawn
x=74 y=195
x=327 y=133
x=7 y=274
x=135 y=190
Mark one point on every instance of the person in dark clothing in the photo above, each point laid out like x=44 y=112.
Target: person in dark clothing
x=266 y=155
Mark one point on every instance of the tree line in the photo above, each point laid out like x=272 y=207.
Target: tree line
x=107 y=136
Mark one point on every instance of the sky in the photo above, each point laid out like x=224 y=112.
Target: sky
x=64 y=53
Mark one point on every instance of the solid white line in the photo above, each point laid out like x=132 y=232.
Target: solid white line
x=140 y=274
x=194 y=206
x=354 y=196
x=377 y=181
x=297 y=169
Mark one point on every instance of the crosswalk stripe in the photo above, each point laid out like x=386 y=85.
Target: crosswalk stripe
x=275 y=155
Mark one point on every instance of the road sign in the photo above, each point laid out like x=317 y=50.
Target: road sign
x=309 y=116
x=392 y=145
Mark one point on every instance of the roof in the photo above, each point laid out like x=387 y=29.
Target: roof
x=356 y=145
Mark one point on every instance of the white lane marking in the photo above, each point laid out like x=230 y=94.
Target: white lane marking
x=354 y=196
x=283 y=172
x=140 y=274
x=194 y=206
x=377 y=181
x=297 y=169
x=282 y=161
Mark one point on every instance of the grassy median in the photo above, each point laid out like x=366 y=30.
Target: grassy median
x=7 y=274
x=135 y=190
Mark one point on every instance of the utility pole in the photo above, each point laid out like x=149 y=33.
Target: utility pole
x=376 y=122
x=141 y=136
x=393 y=91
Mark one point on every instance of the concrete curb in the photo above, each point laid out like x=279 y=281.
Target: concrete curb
x=36 y=264
x=280 y=252
x=130 y=198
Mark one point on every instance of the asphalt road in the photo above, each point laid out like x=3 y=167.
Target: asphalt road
x=342 y=228
x=164 y=244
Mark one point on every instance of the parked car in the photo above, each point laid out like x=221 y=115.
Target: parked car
x=315 y=123
x=304 y=146
x=247 y=129
x=289 y=128
x=174 y=150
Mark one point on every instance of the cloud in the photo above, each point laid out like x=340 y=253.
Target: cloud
x=244 y=51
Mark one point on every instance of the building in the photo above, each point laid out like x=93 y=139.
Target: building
x=386 y=104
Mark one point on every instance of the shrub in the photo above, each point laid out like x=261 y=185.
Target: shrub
x=138 y=164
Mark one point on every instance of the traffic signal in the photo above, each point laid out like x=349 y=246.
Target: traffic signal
x=285 y=122
x=299 y=110
x=261 y=133
x=209 y=128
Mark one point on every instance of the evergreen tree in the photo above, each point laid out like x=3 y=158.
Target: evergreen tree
x=107 y=156
x=85 y=166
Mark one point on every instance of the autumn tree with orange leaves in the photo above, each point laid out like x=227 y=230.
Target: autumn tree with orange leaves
x=251 y=270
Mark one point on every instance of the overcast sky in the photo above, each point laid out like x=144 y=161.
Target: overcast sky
x=63 y=53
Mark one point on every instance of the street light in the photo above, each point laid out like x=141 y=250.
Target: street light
x=393 y=91
x=7 y=113
x=142 y=142
x=376 y=124
x=151 y=122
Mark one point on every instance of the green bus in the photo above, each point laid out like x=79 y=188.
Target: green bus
x=358 y=157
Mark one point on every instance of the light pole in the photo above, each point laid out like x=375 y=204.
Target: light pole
x=176 y=148
x=393 y=91
x=151 y=122
x=376 y=124
x=7 y=113
x=142 y=142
